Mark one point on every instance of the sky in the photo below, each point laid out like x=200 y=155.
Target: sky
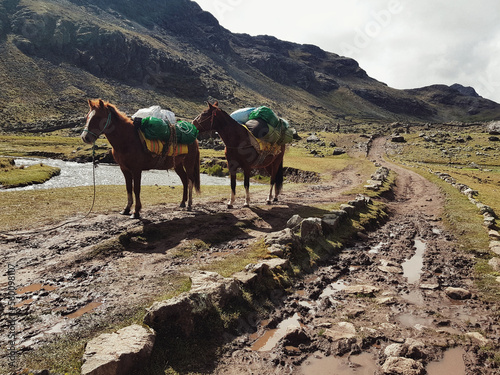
x=403 y=43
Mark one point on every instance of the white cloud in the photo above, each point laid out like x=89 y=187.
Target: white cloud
x=403 y=43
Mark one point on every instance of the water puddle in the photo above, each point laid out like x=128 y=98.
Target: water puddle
x=452 y=363
x=414 y=297
x=362 y=364
x=85 y=309
x=35 y=288
x=412 y=321
x=333 y=288
x=412 y=268
x=271 y=337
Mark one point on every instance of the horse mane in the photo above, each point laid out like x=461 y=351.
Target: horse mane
x=99 y=103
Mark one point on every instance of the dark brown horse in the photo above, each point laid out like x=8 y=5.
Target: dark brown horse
x=241 y=152
x=130 y=154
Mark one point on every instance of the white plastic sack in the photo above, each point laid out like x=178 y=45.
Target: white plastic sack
x=241 y=115
x=156 y=111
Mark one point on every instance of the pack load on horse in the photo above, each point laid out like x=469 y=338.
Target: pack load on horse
x=264 y=124
x=243 y=150
x=158 y=127
x=133 y=157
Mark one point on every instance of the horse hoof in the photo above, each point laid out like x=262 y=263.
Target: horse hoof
x=183 y=205
x=268 y=202
x=125 y=212
x=229 y=206
x=135 y=215
x=246 y=205
x=275 y=199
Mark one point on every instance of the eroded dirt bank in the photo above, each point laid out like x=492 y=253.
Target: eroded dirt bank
x=363 y=308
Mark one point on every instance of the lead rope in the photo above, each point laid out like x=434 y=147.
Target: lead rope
x=94 y=166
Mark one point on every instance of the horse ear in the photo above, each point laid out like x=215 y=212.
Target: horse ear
x=216 y=104
x=101 y=104
x=209 y=104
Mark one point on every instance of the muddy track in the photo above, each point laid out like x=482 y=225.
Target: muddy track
x=68 y=276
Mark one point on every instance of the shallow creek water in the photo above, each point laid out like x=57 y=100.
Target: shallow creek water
x=80 y=174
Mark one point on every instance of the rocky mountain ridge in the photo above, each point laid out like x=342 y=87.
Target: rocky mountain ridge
x=55 y=54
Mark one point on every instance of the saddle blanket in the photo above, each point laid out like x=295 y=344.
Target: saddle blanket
x=156 y=146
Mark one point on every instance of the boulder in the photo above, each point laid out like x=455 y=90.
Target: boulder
x=219 y=289
x=342 y=330
x=311 y=228
x=402 y=366
x=294 y=221
x=120 y=353
x=458 y=293
x=338 y=151
x=313 y=138
x=283 y=237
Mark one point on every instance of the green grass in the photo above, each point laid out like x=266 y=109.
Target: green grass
x=12 y=176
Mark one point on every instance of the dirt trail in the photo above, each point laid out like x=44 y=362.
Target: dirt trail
x=66 y=274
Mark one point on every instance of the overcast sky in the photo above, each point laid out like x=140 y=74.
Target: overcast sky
x=404 y=43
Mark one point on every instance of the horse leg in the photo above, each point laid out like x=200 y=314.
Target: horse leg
x=230 y=204
x=137 y=193
x=246 y=183
x=181 y=172
x=129 y=185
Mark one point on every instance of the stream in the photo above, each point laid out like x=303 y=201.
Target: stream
x=80 y=174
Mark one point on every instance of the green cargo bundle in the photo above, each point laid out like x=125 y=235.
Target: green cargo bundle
x=279 y=129
x=156 y=128
x=265 y=114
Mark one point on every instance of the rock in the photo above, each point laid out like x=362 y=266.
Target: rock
x=313 y=138
x=284 y=237
x=277 y=250
x=245 y=277
x=295 y=335
x=361 y=289
x=380 y=174
x=429 y=286
x=338 y=151
x=351 y=210
x=332 y=220
x=342 y=330
x=119 y=353
x=398 y=139
x=219 y=289
x=495 y=247
x=390 y=269
x=493 y=128
x=494 y=235
x=458 y=293
x=311 y=228
x=402 y=366
x=294 y=221
x=395 y=350
x=495 y=264
x=478 y=338
x=275 y=264
x=493 y=138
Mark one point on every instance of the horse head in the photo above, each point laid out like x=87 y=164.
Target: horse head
x=98 y=120
x=204 y=122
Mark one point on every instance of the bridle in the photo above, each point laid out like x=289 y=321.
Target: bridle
x=89 y=117
x=211 y=119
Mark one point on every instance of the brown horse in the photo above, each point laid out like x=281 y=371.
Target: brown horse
x=241 y=152
x=129 y=152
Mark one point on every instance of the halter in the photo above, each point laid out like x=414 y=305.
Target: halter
x=214 y=112
x=105 y=126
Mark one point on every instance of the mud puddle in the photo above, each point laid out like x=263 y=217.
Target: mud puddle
x=452 y=363
x=412 y=268
x=271 y=337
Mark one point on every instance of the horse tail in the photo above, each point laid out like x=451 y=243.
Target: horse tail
x=196 y=177
x=278 y=179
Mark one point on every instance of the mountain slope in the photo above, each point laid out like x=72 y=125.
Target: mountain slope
x=55 y=54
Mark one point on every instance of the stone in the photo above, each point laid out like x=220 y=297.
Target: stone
x=267 y=265
x=495 y=264
x=458 y=293
x=294 y=221
x=338 y=151
x=351 y=210
x=311 y=228
x=296 y=335
x=390 y=269
x=398 y=139
x=429 y=286
x=494 y=235
x=380 y=174
x=495 y=247
x=284 y=237
x=120 y=353
x=342 y=330
x=478 y=338
x=395 y=350
x=313 y=138
x=402 y=366
x=276 y=250
x=361 y=289
x=219 y=289
x=245 y=277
